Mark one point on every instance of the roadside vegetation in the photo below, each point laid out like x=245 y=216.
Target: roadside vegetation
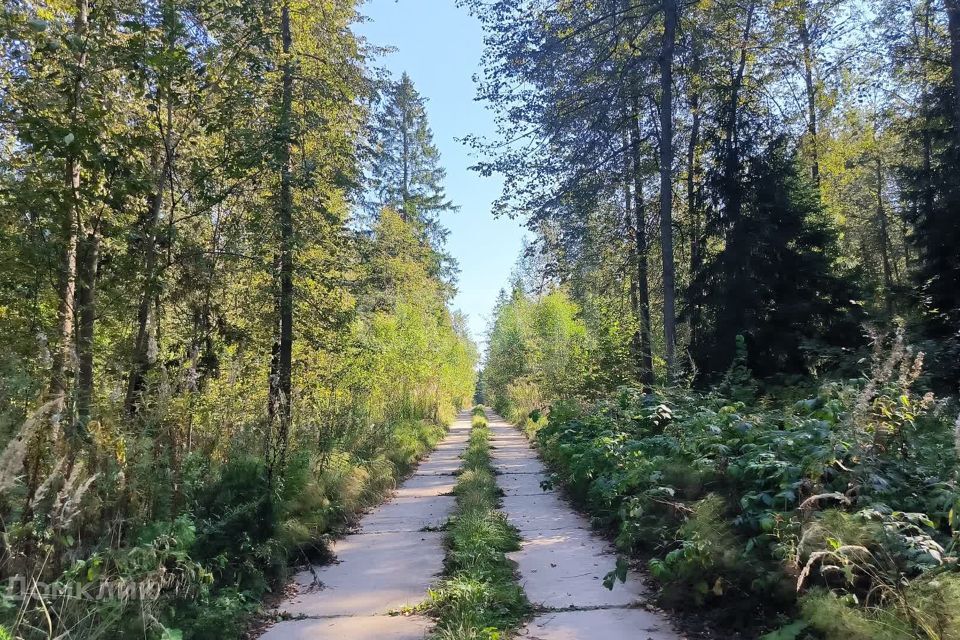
x=734 y=329
x=816 y=510
x=224 y=314
x=479 y=597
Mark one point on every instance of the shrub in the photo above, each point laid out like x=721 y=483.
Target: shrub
x=849 y=492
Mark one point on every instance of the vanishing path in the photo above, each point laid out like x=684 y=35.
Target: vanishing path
x=388 y=564
x=562 y=562
x=397 y=554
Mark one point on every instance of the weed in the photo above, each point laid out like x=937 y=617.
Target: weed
x=479 y=598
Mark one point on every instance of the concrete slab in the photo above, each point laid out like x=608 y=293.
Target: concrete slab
x=517 y=465
x=445 y=455
x=426 y=486
x=360 y=628
x=390 y=565
x=545 y=512
x=561 y=562
x=522 y=484
x=501 y=442
x=605 y=624
x=566 y=569
x=439 y=467
x=453 y=443
x=409 y=514
x=373 y=574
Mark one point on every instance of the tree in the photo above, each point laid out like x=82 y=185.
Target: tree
x=671 y=16
x=953 y=26
x=775 y=280
x=194 y=327
x=405 y=172
x=538 y=351
x=937 y=234
x=575 y=128
x=920 y=52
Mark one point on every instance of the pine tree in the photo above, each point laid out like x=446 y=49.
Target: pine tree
x=405 y=172
x=775 y=280
x=933 y=194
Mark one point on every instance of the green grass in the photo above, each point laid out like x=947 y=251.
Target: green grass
x=479 y=597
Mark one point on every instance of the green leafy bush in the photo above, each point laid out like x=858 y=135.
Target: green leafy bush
x=740 y=504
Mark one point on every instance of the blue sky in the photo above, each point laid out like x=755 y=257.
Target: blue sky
x=439 y=45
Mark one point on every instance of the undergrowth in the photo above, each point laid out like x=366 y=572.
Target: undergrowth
x=831 y=517
x=478 y=598
x=201 y=574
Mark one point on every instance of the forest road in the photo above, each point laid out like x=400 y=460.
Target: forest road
x=388 y=564
x=562 y=563
x=397 y=554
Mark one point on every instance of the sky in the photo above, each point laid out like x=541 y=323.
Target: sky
x=439 y=45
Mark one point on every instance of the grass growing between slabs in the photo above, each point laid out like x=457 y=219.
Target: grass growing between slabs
x=479 y=597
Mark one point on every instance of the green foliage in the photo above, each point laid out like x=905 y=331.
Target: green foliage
x=127 y=589
x=706 y=559
x=406 y=174
x=211 y=565
x=479 y=598
x=932 y=193
x=738 y=383
x=538 y=349
x=140 y=295
x=775 y=282
x=239 y=505
x=741 y=504
x=410 y=441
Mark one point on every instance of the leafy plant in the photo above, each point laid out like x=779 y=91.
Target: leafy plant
x=742 y=504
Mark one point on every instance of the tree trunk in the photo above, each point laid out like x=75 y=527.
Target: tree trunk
x=670 y=19
x=281 y=374
x=642 y=339
x=145 y=311
x=953 y=23
x=693 y=206
x=64 y=355
x=884 y=239
x=811 y=88
x=905 y=243
x=145 y=316
x=89 y=256
x=405 y=137
x=629 y=230
x=732 y=159
x=927 y=115
x=148 y=311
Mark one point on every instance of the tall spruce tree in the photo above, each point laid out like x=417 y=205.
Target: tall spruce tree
x=933 y=192
x=405 y=172
x=774 y=281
